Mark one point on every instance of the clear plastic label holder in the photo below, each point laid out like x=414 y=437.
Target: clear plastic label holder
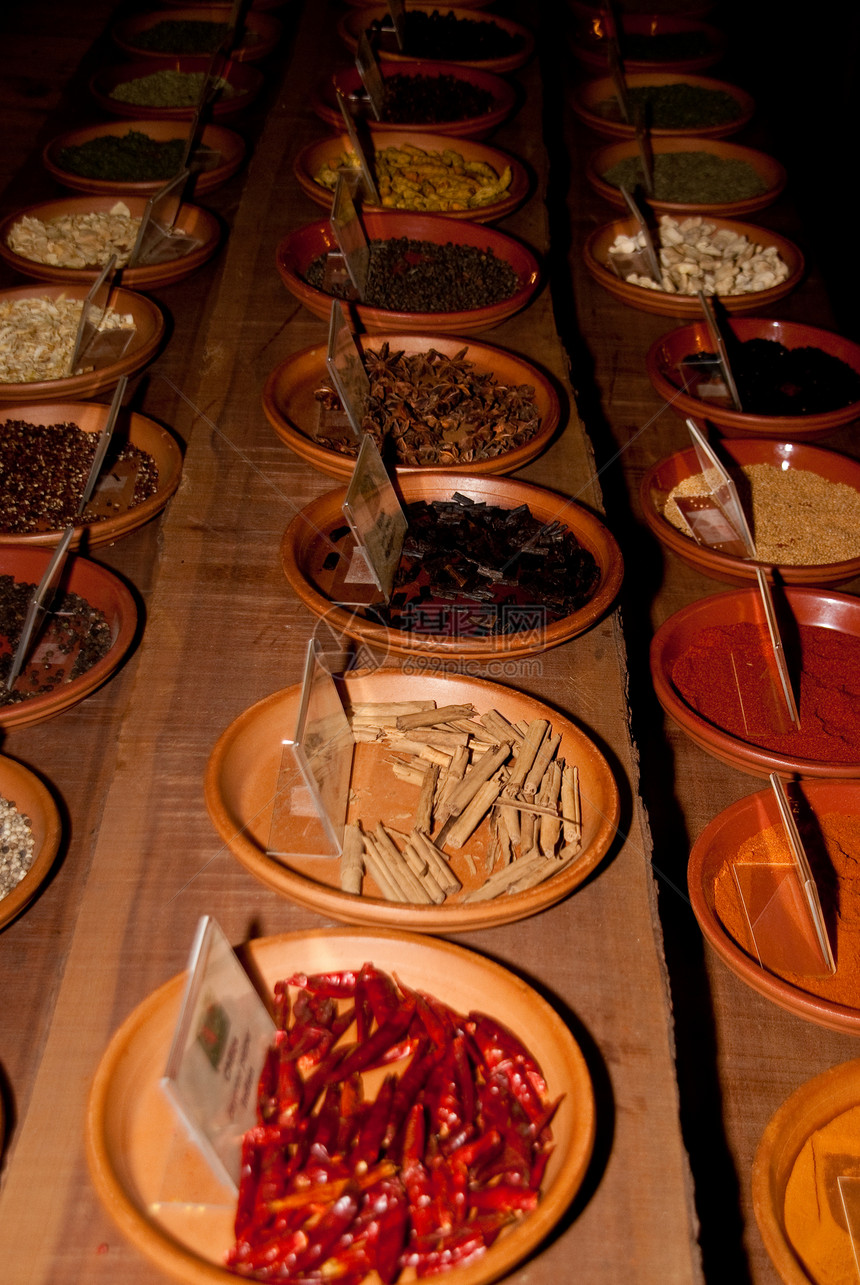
x=398 y=17
x=371 y=77
x=102 y=445
x=717 y=519
x=643 y=262
x=312 y=790
x=368 y=182
x=38 y=608
x=849 y=1195
x=375 y=516
x=346 y=368
x=222 y=1037
x=158 y=239
x=346 y=270
x=94 y=347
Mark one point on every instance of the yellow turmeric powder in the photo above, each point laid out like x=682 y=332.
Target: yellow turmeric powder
x=815 y=1220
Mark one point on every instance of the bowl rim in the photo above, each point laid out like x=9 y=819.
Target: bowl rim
x=507 y=63
x=14 y=776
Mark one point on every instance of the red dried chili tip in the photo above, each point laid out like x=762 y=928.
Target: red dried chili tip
x=329 y=985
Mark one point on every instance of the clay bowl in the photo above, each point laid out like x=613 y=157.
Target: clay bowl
x=192 y=219
x=591 y=94
x=244 y=81
x=136 y=429
x=704 y=44
x=666 y=376
x=34 y=800
x=596 y=254
x=292 y=409
x=351 y=25
x=261 y=32
x=131 y=1128
x=347 y=79
x=769 y=170
x=243 y=776
x=145 y=342
x=299 y=249
x=329 y=152
x=810 y=1108
x=718 y=844
x=228 y=145
x=822 y=608
x=306 y=545
x=664 y=476
x=101 y=589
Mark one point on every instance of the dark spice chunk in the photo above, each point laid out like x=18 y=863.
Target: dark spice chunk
x=775 y=380
x=423 y=276
x=43 y=471
x=74 y=637
x=446 y=37
x=431 y=100
x=473 y=569
x=691 y=178
x=127 y=158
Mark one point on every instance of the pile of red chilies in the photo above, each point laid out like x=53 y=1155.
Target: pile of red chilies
x=426 y=1175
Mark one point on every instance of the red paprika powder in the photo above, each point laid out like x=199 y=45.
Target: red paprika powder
x=728 y=675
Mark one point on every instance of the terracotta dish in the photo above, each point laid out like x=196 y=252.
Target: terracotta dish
x=822 y=608
x=666 y=353
x=261 y=32
x=34 y=800
x=137 y=429
x=351 y=25
x=589 y=96
x=244 y=84
x=130 y=1128
x=719 y=843
x=769 y=170
x=597 y=258
x=145 y=342
x=192 y=220
x=588 y=42
x=293 y=411
x=810 y=1108
x=299 y=249
x=662 y=477
x=242 y=781
x=307 y=544
x=101 y=589
x=313 y=157
x=226 y=147
x=347 y=79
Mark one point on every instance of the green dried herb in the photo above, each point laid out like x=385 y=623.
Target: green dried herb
x=679 y=106
x=691 y=178
x=124 y=158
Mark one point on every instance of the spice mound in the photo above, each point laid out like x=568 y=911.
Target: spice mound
x=674 y=106
x=411 y=178
x=134 y=157
x=446 y=37
x=798 y=518
x=832 y=843
x=405 y=275
x=437 y=410
x=814 y=1212
x=497 y=808
x=775 y=380
x=424 y=1175
x=168 y=88
x=729 y=677
x=696 y=255
x=691 y=178
x=75 y=637
x=475 y=570
x=17 y=846
x=77 y=240
x=44 y=469
x=432 y=100
x=37 y=337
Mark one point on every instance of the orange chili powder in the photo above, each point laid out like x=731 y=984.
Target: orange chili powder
x=837 y=875
x=814 y=1214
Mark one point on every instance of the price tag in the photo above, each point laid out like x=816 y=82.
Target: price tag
x=346 y=367
x=158 y=240
x=316 y=765
x=398 y=17
x=367 y=179
x=376 y=519
x=219 y=1049
x=348 y=232
x=371 y=77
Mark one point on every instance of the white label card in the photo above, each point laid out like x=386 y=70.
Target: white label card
x=219 y=1049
